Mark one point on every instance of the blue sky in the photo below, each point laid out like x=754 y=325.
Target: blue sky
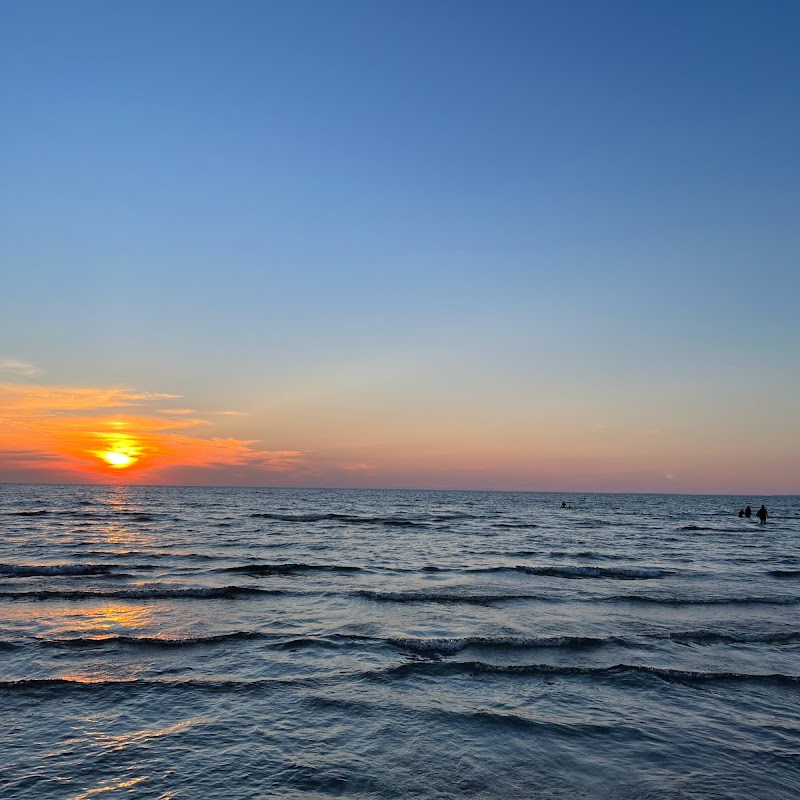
x=321 y=212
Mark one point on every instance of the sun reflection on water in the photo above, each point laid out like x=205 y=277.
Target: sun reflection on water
x=133 y=738
x=100 y=621
x=115 y=617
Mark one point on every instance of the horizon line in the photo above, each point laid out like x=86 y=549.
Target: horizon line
x=395 y=489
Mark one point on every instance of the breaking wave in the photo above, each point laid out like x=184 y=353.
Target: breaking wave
x=199 y=593
x=613 y=573
x=42 y=570
x=333 y=517
x=443 y=597
x=91 y=642
x=712 y=637
x=446 y=646
x=691 y=677
x=781 y=600
x=286 y=569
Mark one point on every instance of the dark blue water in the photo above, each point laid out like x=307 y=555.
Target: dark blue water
x=251 y=643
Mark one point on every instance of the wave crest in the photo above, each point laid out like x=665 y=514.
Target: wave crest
x=145 y=593
x=286 y=569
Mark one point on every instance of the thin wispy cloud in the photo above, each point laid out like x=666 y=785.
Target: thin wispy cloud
x=12 y=367
x=54 y=399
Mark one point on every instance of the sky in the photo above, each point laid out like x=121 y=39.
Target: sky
x=444 y=244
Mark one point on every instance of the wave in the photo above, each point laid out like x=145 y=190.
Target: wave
x=433 y=647
x=709 y=528
x=613 y=573
x=136 y=516
x=286 y=569
x=482 y=599
x=782 y=600
x=711 y=637
x=593 y=523
x=327 y=641
x=445 y=646
x=92 y=642
x=444 y=597
x=515 y=525
x=58 y=687
x=40 y=512
x=691 y=677
x=42 y=570
x=333 y=517
x=155 y=593
x=279 y=640
x=36 y=570
x=589 y=554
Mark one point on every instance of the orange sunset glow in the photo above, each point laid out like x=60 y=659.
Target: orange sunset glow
x=68 y=431
x=97 y=434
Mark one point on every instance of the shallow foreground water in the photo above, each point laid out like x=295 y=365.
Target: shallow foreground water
x=250 y=643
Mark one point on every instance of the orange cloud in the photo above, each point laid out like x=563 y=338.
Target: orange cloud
x=358 y=467
x=90 y=432
x=30 y=398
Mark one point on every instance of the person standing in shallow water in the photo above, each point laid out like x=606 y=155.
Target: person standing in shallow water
x=748 y=512
x=762 y=514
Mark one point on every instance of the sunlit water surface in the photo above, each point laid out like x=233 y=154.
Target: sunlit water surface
x=250 y=643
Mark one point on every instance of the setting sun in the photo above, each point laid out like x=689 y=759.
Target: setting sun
x=122 y=450
x=115 y=459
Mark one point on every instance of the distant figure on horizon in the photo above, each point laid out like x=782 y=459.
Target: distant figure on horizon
x=748 y=512
x=563 y=504
x=741 y=513
x=762 y=514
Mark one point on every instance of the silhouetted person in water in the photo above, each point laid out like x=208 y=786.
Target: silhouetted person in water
x=741 y=513
x=748 y=512
x=563 y=504
x=762 y=515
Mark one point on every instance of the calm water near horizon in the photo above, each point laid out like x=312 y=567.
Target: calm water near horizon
x=160 y=642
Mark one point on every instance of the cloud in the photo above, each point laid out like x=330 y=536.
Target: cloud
x=13 y=367
x=358 y=467
x=93 y=432
x=28 y=456
x=28 y=398
x=232 y=413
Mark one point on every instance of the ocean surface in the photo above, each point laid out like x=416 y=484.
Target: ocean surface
x=250 y=643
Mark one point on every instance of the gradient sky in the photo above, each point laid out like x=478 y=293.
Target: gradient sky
x=509 y=245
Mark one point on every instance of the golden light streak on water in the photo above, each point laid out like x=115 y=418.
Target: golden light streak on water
x=111 y=787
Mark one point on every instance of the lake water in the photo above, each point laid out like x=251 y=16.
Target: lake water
x=250 y=643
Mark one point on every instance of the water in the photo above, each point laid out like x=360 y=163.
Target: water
x=251 y=643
